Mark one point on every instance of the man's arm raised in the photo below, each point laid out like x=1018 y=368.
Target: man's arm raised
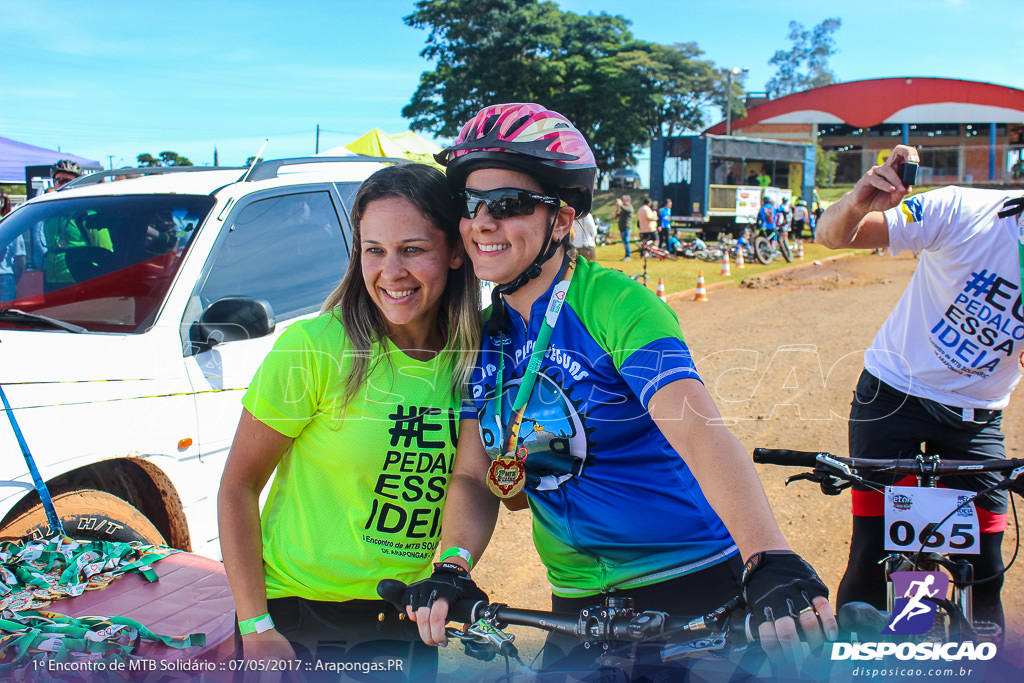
x=856 y=220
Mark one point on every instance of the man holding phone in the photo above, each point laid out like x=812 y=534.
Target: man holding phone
x=941 y=368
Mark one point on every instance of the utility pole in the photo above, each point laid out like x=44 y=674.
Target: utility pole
x=735 y=71
x=317 y=139
x=110 y=166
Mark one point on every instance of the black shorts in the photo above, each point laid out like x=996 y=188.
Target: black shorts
x=886 y=423
x=364 y=639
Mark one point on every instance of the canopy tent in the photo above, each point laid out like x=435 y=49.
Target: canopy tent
x=15 y=156
x=377 y=143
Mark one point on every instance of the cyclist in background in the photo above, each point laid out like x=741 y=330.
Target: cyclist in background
x=940 y=370
x=766 y=216
x=800 y=216
x=635 y=484
x=63 y=172
x=65 y=233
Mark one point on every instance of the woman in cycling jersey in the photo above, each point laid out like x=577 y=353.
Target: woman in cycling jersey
x=354 y=412
x=636 y=486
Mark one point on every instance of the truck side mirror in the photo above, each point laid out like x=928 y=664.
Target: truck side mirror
x=233 y=318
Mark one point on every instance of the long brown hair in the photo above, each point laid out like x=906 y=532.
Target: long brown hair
x=427 y=189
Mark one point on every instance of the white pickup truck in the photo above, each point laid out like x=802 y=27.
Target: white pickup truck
x=125 y=358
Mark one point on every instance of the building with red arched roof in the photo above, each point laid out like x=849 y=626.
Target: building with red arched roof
x=966 y=131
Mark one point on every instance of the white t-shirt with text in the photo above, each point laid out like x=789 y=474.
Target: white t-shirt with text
x=958 y=329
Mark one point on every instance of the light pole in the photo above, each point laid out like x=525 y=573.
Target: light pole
x=735 y=71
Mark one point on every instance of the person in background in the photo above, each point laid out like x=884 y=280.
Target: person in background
x=64 y=233
x=938 y=372
x=766 y=216
x=381 y=373
x=584 y=237
x=800 y=216
x=648 y=219
x=816 y=210
x=664 y=223
x=12 y=257
x=63 y=172
x=12 y=265
x=624 y=215
x=782 y=219
x=647 y=496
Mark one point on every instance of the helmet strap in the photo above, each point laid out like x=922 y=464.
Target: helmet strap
x=547 y=250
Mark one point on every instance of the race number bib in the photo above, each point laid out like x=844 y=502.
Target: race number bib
x=911 y=514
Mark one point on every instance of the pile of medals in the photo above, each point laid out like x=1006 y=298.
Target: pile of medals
x=35 y=573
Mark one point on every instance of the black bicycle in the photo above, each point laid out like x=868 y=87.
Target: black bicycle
x=834 y=474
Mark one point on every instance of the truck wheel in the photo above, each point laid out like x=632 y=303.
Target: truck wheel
x=762 y=250
x=87 y=514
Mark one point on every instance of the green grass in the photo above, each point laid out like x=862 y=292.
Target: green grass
x=682 y=274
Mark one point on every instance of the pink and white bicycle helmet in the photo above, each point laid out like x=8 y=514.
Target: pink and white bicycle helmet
x=528 y=138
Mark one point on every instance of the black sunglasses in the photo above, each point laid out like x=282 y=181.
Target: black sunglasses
x=504 y=202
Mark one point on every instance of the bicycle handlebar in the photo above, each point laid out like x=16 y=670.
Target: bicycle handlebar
x=601 y=623
x=790 y=458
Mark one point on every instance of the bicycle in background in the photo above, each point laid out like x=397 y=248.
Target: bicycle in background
x=768 y=245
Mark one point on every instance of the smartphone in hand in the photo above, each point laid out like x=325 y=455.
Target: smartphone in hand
x=907 y=171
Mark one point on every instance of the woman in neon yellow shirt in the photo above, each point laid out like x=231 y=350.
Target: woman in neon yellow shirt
x=355 y=413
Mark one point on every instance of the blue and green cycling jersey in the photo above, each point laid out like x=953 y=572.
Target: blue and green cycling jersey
x=614 y=505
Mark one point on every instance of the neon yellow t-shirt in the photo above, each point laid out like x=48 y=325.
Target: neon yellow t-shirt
x=64 y=233
x=358 y=496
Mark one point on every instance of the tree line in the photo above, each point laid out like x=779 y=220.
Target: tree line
x=618 y=90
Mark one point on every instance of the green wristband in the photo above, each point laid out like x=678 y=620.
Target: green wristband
x=458 y=552
x=258 y=624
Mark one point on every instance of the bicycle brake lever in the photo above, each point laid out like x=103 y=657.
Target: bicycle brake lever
x=833 y=486
x=1016 y=475
x=829 y=483
x=483 y=640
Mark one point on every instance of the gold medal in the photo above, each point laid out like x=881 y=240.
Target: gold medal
x=506 y=477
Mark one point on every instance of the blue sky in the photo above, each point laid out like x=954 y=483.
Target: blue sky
x=109 y=80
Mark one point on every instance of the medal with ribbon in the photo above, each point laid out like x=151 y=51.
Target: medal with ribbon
x=506 y=476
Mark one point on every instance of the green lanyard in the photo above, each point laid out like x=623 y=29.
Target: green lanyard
x=34 y=573
x=540 y=347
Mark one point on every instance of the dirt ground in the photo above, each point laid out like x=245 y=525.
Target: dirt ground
x=781 y=356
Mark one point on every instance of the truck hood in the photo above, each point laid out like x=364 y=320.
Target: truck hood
x=39 y=368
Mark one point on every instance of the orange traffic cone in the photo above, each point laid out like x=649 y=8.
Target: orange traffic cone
x=726 y=272
x=661 y=289
x=700 y=294
x=739 y=257
x=800 y=249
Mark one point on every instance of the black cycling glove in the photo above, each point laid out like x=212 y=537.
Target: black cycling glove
x=779 y=583
x=449 y=581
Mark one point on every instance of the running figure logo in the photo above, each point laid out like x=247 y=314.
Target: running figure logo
x=912 y=613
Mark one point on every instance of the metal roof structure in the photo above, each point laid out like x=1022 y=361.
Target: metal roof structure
x=873 y=102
